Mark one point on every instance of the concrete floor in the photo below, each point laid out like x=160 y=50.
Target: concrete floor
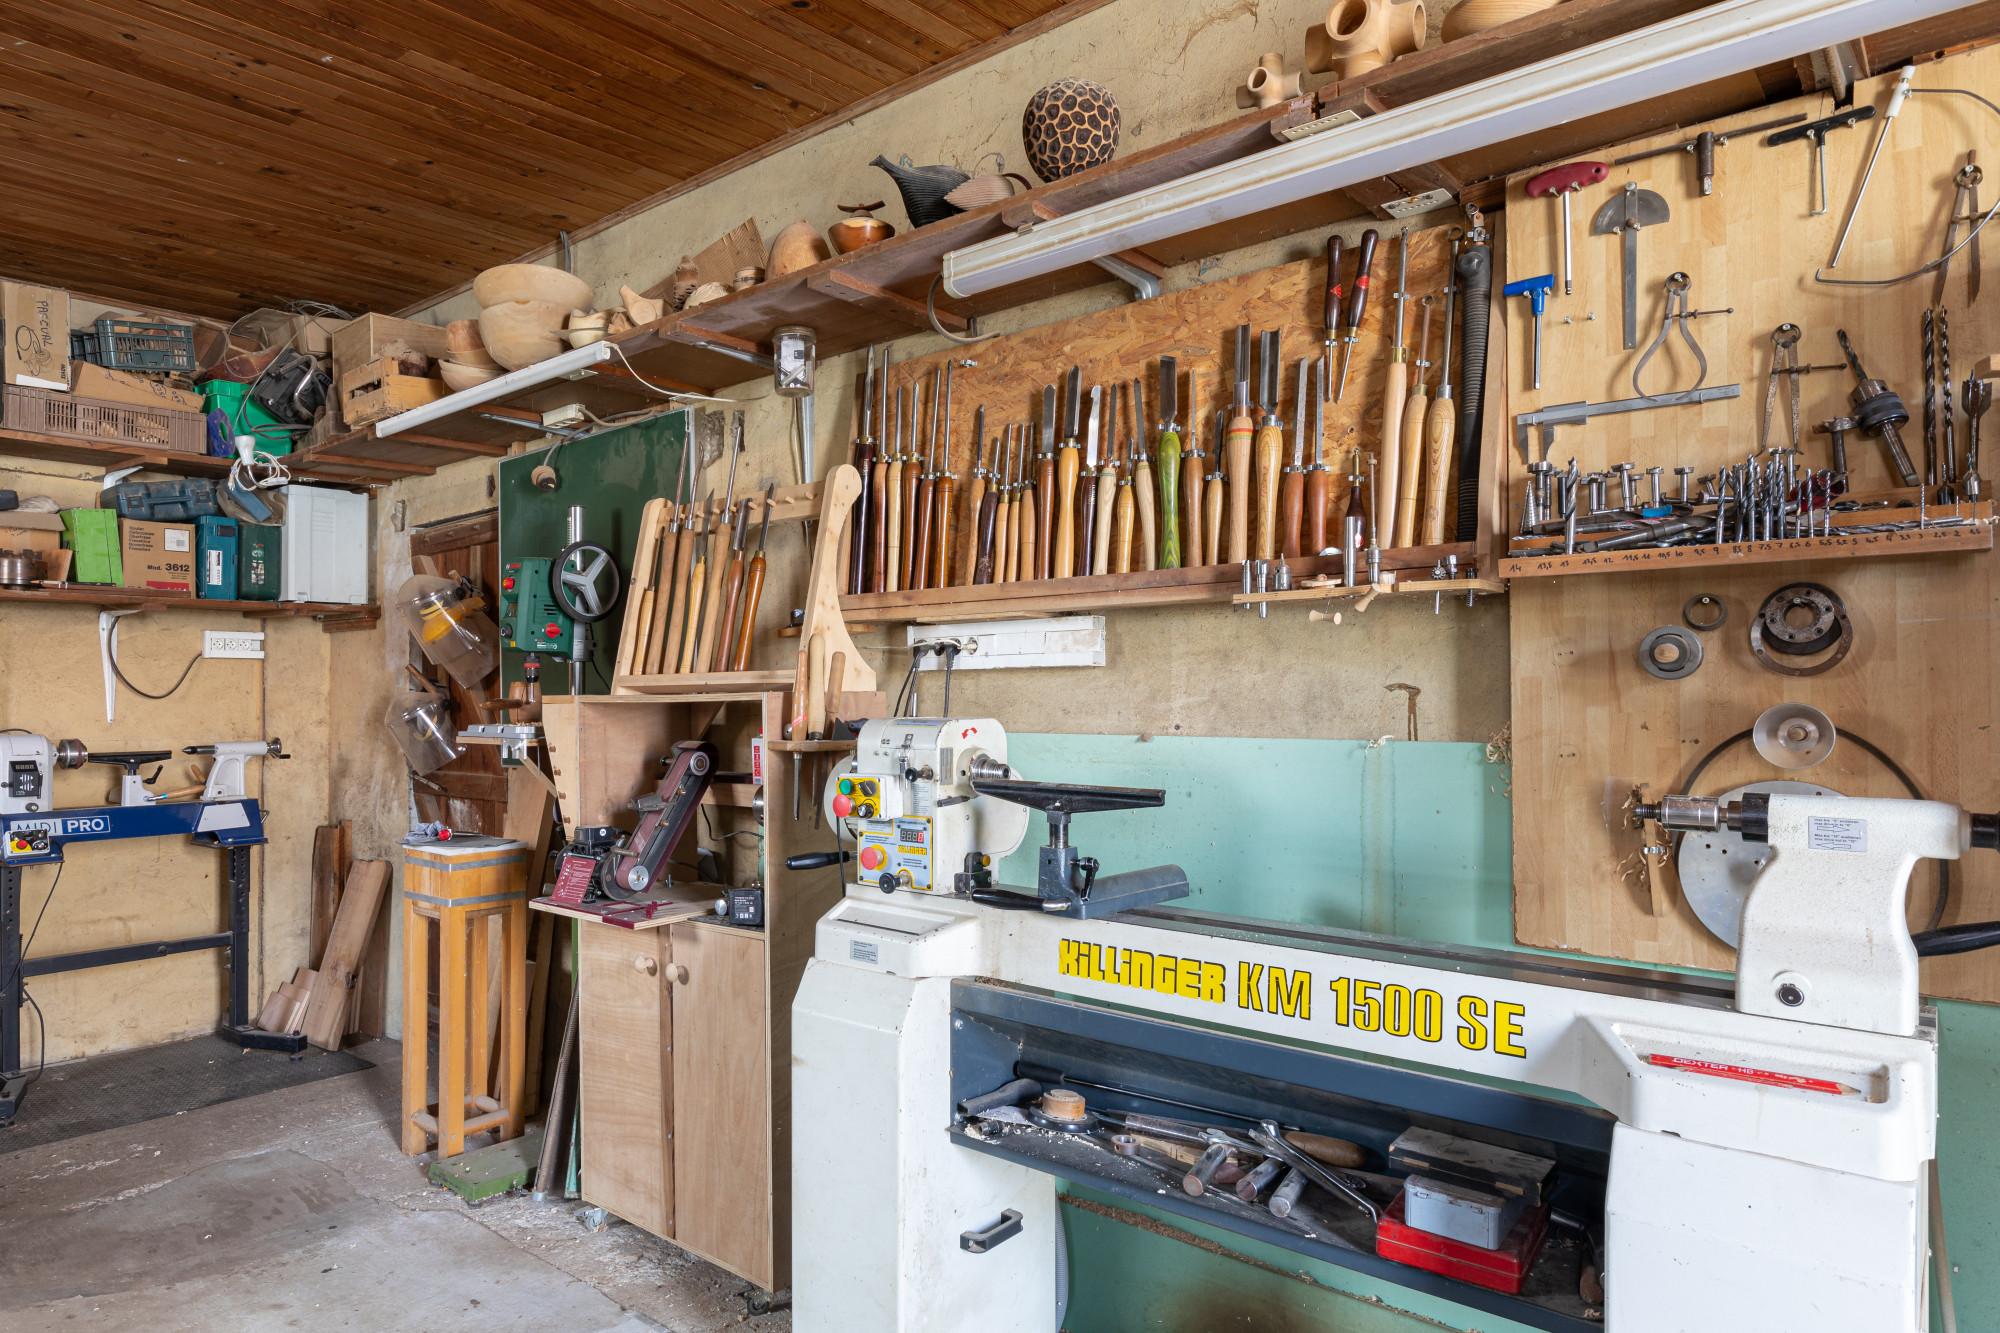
x=298 y=1210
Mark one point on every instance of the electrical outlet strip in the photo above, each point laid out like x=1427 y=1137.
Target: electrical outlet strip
x=1061 y=641
x=231 y=643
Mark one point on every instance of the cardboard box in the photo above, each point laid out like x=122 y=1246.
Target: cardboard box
x=93 y=537
x=311 y=334
x=362 y=341
x=157 y=556
x=34 y=336
x=123 y=386
x=29 y=531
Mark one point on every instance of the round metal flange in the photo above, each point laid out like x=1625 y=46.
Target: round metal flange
x=1670 y=652
x=1774 y=635
x=1793 y=735
x=1718 y=867
x=1087 y=1123
x=1705 y=612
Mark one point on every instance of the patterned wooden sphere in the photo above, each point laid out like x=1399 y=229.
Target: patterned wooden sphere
x=1069 y=126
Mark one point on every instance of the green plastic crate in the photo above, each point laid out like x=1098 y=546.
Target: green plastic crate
x=92 y=534
x=273 y=436
x=258 y=555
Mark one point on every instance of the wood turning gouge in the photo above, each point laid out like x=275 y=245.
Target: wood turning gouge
x=1330 y=305
x=1044 y=533
x=1107 y=481
x=1086 y=488
x=1142 y=481
x=919 y=529
x=1192 y=547
x=1062 y=544
x=1241 y=427
x=1357 y=307
x=753 y=586
x=864 y=463
x=978 y=534
x=1169 y=465
x=892 y=491
x=1123 y=504
x=1415 y=412
x=1395 y=385
x=1313 y=539
x=1292 y=490
x=1441 y=421
x=1214 y=495
x=1270 y=444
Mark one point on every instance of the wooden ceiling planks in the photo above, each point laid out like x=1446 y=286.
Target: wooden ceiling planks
x=213 y=155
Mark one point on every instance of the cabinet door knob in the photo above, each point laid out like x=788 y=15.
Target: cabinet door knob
x=678 y=973
x=647 y=965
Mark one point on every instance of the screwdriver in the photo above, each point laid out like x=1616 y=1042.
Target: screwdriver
x=1357 y=308
x=1107 y=486
x=1062 y=543
x=1142 y=480
x=1241 y=426
x=1169 y=465
x=1314 y=540
x=1042 y=531
x=1270 y=444
x=753 y=586
x=976 y=531
x=1191 y=474
x=1292 y=493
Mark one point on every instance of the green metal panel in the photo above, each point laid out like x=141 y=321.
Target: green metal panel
x=612 y=476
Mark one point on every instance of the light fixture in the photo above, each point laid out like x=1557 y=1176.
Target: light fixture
x=567 y=365
x=1709 y=44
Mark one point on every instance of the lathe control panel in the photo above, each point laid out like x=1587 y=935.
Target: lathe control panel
x=906 y=799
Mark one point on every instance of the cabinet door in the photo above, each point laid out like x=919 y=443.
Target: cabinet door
x=625 y=1074
x=722 y=1102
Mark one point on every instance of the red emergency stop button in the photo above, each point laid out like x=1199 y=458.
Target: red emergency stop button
x=872 y=858
x=842 y=807
x=507 y=584
x=550 y=630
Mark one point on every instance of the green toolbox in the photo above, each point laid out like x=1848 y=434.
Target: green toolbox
x=215 y=557
x=258 y=549
x=92 y=534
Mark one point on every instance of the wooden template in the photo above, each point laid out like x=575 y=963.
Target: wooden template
x=1588 y=722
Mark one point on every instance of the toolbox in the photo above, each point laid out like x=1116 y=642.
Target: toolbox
x=92 y=534
x=216 y=544
x=259 y=556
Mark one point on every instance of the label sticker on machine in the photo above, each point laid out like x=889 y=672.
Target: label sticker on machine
x=1825 y=833
x=891 y=846
x=29 y=837
x=1745 y=1074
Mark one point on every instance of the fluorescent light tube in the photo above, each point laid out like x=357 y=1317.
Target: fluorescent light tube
x=557 y=367
x=1668 y=57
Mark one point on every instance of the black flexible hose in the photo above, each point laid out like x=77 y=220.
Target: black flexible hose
x=1957 y=939
x=1475 y=281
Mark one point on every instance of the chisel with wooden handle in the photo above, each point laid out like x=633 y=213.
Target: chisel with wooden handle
x=879 y=507
x=1317 y=477
x=697 y=581
x=892 y=497
x=1086 y=487
x=753 y=587
x=1292 y=490
x=1395 y=393
x=1415 y=410
x=1142 y=482
x=663 y=608
x=1270 y=445
x=1034 y=530
x=732 y=590
x=986 y=526
x=1194 y=536
x=1042 y=540
x=1214 y=494
x=1007 y=568
x=918 y=485
x=632 y=648
x=975 y=498
x=1330 y=306
x=1107 y=483
x=1439 y=425
x=1357 y=307
x=1062 y=543
x=1124 y=505
x=711 y=611
x=1237 y=469
x=864 y=463
x=942 y=493
x=1167 y=467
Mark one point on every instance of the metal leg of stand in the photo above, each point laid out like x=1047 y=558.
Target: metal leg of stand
x=13 y=1083
x=239 y=1028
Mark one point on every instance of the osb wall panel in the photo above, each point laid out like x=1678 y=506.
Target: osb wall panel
x=1588 y=722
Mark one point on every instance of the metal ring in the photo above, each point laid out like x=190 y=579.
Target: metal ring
x=1840 y=638
x=577 y=592
x=1705 y=601
x=1670 y=653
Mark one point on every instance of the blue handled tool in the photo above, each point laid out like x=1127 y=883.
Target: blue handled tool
x=1537 y=291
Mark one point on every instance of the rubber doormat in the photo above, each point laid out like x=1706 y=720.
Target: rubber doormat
x=127 y=1087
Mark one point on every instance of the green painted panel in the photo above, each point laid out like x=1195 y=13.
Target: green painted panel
x=1969 y=1157
x=612 y=476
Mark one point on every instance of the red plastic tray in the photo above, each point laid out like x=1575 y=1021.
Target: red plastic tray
x=1503 y=1269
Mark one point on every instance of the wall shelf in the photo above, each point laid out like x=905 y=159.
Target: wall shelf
x=1975 y=535
x=333 y=617
x=1363 y=593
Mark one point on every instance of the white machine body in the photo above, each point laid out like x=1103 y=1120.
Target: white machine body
x=27 y=774
x=225 y=774
x=1768 y=1171
x=906 y=799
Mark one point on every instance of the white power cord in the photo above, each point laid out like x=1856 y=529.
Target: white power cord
x=244 y=473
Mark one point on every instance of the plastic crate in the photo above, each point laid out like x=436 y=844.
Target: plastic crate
x=128 y=344
x=46 y=412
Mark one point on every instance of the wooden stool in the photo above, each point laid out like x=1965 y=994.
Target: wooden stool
x=463 y=885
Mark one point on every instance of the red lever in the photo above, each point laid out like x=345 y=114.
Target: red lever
x=1567 y=177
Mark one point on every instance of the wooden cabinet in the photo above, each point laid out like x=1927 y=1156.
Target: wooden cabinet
x=684 y=1029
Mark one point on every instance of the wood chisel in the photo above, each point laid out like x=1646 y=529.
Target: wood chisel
x=1167 y=466
x=917 y=493
x=1354 y=532
x=878 y=491
x=1086 y=488
x=1107 y=480
x=1314 y=538
x=1292 y=490
x=1142 y=482
x=1034 y=543
x=1357 y=308
x=864 y=463
x=1330 y=307
x=996 y=557
x=1237 y=468
x=670 y=558
x=1474 y=270
x=1062 y=544
x=632 y=648
x=1042 y=540
x=753 y=586
x=697 y=581
x=1415 y=409
x=1442 y=421
x=1007 y=565
x=975 y=498
x=1395 y=392
x=717 y=567
x=1124 y=506
x=943 y=494
x=664 y=653
x=1192 y=536
x=892 y=500
x=732 y=590
x=1214 y=494
x=1270 y=444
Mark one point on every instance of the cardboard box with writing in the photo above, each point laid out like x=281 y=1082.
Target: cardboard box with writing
x=25 y=530
x=157 y=556
x=34 y=322
x=122 y=386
